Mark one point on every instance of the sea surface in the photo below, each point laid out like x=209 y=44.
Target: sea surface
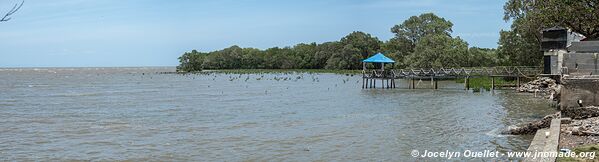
x=139 y=114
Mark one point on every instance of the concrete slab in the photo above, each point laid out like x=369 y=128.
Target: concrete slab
x=544 y=143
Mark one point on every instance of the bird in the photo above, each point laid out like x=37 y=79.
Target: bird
x=579 y=103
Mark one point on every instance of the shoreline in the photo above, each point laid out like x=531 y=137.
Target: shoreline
x=579 y=131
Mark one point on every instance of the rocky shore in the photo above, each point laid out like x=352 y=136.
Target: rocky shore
x=542 y=86
x=583 y=129
x=580 y=132
x=585 y=119
x=581 y=112
x=532 y=127
x=580 y=125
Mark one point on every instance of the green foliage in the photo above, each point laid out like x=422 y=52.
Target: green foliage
x=422 y=41
x=436 y=51
x=397 y=48
x=417 y=27
x=518 y=49
x=365 y=43
x=581 y=16
x=348 y=58
x=324 y=52
x=482 y=57
x=425 y=42
x=520 y=45
x=307 y=57
x=191 y=61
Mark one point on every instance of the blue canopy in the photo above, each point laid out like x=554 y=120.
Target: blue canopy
x=379 y=58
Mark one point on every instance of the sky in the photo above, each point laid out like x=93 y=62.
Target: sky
x=106 y=33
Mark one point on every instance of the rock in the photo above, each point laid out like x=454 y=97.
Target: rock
x=566 y=120
x=581 y=113
x=543 y=86
x=584 y=127
x=576 y=130
x=531 y=127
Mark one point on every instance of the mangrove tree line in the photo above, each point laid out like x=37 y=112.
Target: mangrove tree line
x=422 y=41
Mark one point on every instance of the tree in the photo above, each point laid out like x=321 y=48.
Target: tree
x=364 y=42
x=425 y=41
x=582 y=16
x=251 y=58
x=324 y=52
x=521 y=45
x=348 y=58
x=422 y=41
x=228 y=58
x=306 y=52
x=397 y=48
x=517 y=48
x=13 y=10
x=191 y=61
x=417 y=27
x=436 y=51
x=409 y=35
x=482 y=57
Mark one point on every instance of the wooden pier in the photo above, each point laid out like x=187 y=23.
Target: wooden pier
x=387 y=77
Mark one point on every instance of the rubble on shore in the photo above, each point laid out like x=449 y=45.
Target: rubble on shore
x=583 y=127
x=585 y=122
x=580 y=132
x=544 y=86
x=532 y=127
x=581 y=112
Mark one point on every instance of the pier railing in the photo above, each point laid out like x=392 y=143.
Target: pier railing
x=500 y=71
x=388 y=77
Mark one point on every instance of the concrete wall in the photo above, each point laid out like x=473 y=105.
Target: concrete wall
x=574 y=89
x=581 y=63
x=557 y=57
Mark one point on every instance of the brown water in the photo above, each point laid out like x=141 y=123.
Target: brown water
x=135 y=114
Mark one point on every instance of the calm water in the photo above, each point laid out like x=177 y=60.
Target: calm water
x=135 y=114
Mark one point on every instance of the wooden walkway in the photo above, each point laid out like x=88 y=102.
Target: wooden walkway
x=388 y=77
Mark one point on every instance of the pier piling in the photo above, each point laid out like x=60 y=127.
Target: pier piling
x=492 y=83
x=466 y=84
x=388 y=77
x=363 y=82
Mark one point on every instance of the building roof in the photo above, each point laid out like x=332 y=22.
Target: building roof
x=379 y=58
x=584 y=46
x=554 y=29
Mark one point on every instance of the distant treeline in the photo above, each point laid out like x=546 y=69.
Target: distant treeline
x=422 y=41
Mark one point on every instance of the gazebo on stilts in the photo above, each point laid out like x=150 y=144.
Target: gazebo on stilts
x=369 y=77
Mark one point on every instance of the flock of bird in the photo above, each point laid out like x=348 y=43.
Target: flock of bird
x=285 y=76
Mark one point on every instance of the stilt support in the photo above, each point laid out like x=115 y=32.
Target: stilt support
x=466 y=83
x=492 y=83
x=363 y=83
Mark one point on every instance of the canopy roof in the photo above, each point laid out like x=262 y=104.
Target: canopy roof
x=379 y=58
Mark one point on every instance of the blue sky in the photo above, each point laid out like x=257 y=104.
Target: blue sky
x=84 y=33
